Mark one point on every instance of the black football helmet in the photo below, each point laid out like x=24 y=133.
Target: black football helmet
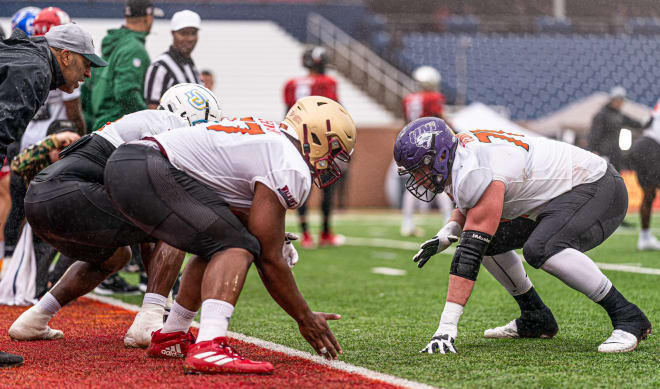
x=315 y=58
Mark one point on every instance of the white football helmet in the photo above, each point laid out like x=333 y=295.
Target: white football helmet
x=192 y=102
x=427 y=77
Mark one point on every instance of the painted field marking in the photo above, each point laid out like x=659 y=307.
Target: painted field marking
x=388 y=271
x=339 y=365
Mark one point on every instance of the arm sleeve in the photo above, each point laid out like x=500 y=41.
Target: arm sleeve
x=22 y=92
x=629 y=122
x=596 y=133
x=129 y=80
x=290 y=187
x=34 y=158
x=154 y=83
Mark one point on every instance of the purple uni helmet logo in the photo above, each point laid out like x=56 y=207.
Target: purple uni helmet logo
x=424 y=150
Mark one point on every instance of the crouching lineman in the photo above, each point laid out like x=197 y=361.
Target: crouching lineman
x=194 y=188
x=561 y=200
x=67 y=205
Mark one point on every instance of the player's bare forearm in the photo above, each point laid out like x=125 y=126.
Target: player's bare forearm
x=458 y=217
x=460 y=290
x=74 y=113
x=278 y=280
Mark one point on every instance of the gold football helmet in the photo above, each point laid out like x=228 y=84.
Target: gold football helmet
x=326 y=132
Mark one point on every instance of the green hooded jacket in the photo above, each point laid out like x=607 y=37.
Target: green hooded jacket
x=118 y=89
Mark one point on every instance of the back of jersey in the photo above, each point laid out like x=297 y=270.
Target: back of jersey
x=138 y=125
x=422 y=104
x=232 y=155
x=313 y=85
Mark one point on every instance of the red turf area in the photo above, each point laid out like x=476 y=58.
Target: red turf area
x=92 y=355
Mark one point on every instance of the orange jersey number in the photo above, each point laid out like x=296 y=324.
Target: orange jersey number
x=485 y=135
x=242 y=125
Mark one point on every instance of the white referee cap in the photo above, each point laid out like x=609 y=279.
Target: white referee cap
x=185 y=18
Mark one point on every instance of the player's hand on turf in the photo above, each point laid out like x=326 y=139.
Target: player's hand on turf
x=289 y=252
x=445 y=237
x=316 y=331
x=442 y=344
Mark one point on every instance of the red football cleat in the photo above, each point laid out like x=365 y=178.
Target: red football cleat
x=216 y=357
x=307 y=241
x=330 y=239
x=172 y=345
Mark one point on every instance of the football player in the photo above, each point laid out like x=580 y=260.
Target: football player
x=427 y=102
x=67 y=205
x=645 y=160
x=315 y=83
x=561 y=200
x=221 y=191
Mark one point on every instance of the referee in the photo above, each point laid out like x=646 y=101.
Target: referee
x=175 y=66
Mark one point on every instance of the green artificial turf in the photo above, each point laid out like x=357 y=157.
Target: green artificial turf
x=388 y=319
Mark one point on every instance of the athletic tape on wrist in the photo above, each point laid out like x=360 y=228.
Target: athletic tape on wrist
x=469 y=254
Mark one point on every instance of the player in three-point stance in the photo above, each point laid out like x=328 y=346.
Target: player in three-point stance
x=561 y=201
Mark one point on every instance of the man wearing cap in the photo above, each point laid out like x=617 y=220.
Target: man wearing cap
x=175 y=66
x=29 y=69
x=118 y=89
x=606 y=126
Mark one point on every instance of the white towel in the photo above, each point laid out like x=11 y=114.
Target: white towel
x=19 y=284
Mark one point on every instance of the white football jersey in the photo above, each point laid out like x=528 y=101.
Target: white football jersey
x=654 y=131
x=138 y=125
x=52 y=109
x=232 y=155
x=534 y=170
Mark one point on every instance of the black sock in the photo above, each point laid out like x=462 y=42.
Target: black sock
x=529 y=301
x=624 y=314
x=326 y=226
x=304 y=227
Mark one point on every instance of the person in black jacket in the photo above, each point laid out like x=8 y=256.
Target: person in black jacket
x=606 y=126
x=29 y=69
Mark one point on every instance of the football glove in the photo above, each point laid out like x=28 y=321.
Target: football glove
x=443 y=344
x=289 y=252
x=445 y=237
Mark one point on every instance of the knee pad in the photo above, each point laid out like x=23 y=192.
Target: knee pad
x=534 y=253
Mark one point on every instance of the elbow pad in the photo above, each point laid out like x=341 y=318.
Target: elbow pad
x=469 y=254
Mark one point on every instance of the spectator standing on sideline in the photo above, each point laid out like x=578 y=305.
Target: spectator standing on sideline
x=208 y=79
x=606 y=126
x=29 y=69
x=175 y=66
x=119 y=89
x=426 y=102
x=316 y=83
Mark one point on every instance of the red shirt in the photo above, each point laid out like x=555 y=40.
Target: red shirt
x=313 y=85
x=420 y=104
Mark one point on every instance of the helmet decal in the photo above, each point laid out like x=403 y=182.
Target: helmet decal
x=197 y=99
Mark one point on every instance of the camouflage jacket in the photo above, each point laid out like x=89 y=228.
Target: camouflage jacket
x=29 y=162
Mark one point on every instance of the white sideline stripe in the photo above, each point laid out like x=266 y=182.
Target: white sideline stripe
x=405 y=245
x=628 y=268
x=388 y=271
x=339 y=365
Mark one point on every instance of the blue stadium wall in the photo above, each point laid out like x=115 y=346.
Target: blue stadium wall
x=292 y=17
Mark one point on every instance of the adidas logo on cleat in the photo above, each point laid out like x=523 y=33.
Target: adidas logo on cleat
x=172 y=351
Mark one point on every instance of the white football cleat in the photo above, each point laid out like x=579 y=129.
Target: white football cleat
x=504 y=332
x=648 y=244
x=146 y=322
x=619 y=342
x=33 y=325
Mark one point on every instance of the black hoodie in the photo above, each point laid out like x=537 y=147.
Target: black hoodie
x=28 y=71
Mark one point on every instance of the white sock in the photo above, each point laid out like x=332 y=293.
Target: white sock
x=579 y=272
x=215 y=319
x=49 y=304
x=153 y=299
x=507 y=268
x=645 y=234
x=2 y=249
x=179 y=319
x=449 y=320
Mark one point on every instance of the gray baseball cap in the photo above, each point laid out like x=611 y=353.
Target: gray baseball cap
x=74 y=38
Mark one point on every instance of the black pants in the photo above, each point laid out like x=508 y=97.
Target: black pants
x=72 y=212
x=172 y=206
x=581 y=218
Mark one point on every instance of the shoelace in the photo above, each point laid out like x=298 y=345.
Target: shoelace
x=190 y=338
x=228 y=350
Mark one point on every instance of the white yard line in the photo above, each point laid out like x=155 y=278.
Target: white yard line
x=339 y=365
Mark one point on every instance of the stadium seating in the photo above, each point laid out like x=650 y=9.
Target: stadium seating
x=537 y=74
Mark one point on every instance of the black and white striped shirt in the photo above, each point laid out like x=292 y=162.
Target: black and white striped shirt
x=170 y=68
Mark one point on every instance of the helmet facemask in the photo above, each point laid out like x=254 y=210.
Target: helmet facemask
x=424 y=182
x=325 y=170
